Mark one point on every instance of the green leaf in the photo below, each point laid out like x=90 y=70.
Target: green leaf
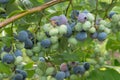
x=5 y=69
x=108 y=74
x=29 y=66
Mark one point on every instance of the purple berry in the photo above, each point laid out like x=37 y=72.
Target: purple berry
x=82 y=17
x=63 y=67
x=62 y=20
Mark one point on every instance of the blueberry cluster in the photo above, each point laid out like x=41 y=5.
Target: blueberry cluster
x=20 y=75
x=65 y=71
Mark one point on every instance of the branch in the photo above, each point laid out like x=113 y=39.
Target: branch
x=68 y=7
x=106 y=13
x=29 y=11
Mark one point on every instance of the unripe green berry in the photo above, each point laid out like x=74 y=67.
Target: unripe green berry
x=36 y=49
x=47 y=27
x=101 y=27
x=78 y=27
x=72 y=41
x=92 y=30
x=29 y=52
x=50 y=70
x=86 y=25
x=90 y=17
x=62 y=29
x=18 y=60
x=54 y=39
x=53 y=32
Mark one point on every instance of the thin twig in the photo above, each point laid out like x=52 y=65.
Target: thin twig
x=29 y=11
x=68 y=7
x=106 y=13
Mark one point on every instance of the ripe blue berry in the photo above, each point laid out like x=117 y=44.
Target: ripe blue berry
x=22 y=36
x=74 y=14
x=111 y=14
x=7 y=49
x=18 y=53
x=94 y=35
x=86 y=66
x=4 y=1
x=102 y=36
x=46 y=43
x=22 y=72
x=79 y=70
x=69 y=31
x=28 y=44
x=81 y=36
x=18 y=77
x=8 y=58
x=60 y=76
x=42 y=59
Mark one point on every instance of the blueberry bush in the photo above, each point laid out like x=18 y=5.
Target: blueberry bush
x=59 y=40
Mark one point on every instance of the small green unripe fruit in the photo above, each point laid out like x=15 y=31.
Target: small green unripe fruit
x=43 y=78
x=54 y=39
x=91 y=61
x=86 y=25
x=39 y=72
x=73 y=77
x=90 y=17
x=29 y=53
x=92 y=30
x=103 y=22
x=55 y=46
x=40 y=36
x=62 y=29
x=107 y=30
x=36 y=49
x=115 y=18
x=19 y=45
x=101 y=27
x=101 y=60
x=18 y=60
x=72 y=41
x=53 y=32
x=108 y=24
x=1 y=76
x=119 y=23
x=50 y=70
x=35 y=58
x=52 y=78
x=47 y=27
x=87 y=73
x=78 y=27
x=2 y=54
